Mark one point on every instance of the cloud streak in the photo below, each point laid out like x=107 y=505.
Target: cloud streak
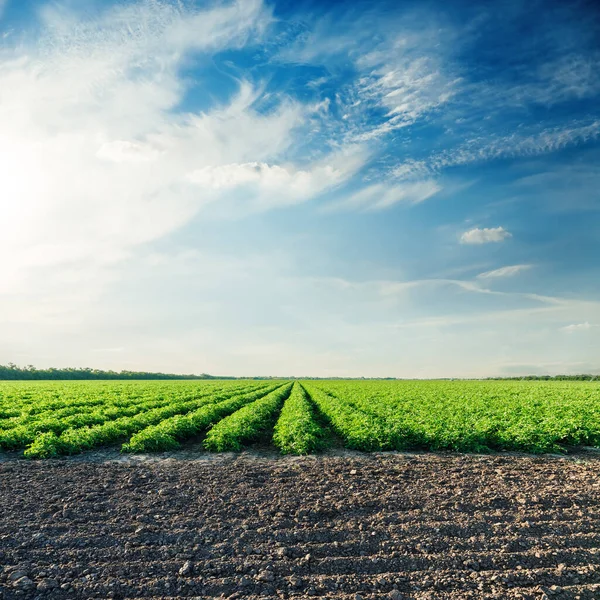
x=380 y=196
x=508 y=271
x=575 y=327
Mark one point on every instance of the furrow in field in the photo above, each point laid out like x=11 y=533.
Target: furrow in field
x=213 y=582
x=144 y=578
x=142 y=549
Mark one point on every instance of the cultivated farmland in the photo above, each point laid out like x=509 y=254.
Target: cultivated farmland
x=49 y=419
x=197 y=522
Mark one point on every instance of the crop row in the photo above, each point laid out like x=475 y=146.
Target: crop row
x=21 y=399
x=34 y=399
x=298 y=430
x=167 y=434
x=247 y=423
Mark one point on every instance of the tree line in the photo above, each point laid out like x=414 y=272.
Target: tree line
x=13 y=372
x=582 y=377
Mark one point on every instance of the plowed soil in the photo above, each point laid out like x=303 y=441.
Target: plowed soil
x=366 y=526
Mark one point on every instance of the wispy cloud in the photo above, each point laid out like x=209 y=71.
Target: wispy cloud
x=412 y=74
x=579 y=327
x=483 y=149
x=484 y=236
x=508 y=271
x=270 y=185
x=381 y=196
x=572 y=76
x=405 y=82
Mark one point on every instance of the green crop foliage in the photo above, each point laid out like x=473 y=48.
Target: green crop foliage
x=167 y=434
x=45 y=419
x=46 y=445
x=297 y=430
x=359 y=429
x=246 y=424
x=114 y=425
x=475 y=416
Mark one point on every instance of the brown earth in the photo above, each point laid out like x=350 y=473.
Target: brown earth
x=360 y=526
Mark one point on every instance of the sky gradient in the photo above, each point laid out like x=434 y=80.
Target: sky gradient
x=406 y=189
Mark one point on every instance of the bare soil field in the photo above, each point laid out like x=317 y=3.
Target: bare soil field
x=419 y=526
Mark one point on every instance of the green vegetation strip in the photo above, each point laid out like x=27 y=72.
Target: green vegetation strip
x=247 y=424
x=56 y=422
x=73 y=441
x=20 y=436
x=297 y=430
x=167 y=434
x=479 y=416
x=91 y=410
x=54 y=418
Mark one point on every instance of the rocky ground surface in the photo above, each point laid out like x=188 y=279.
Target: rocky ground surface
x=388 y=526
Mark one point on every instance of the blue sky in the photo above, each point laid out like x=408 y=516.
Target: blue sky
x=400 y=189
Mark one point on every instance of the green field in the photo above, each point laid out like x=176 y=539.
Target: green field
x=47 y=419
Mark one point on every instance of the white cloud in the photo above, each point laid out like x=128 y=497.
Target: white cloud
x=411 y=169
x=485 y=235
x=124 y=151
x=403 y=71
x=85 y=115
x=404 y=74
x=408 y=86
x=545 y=141
x=579 y=327
x=508 y=271
x=409 y=71
x=381 y=196
x=268 y=185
